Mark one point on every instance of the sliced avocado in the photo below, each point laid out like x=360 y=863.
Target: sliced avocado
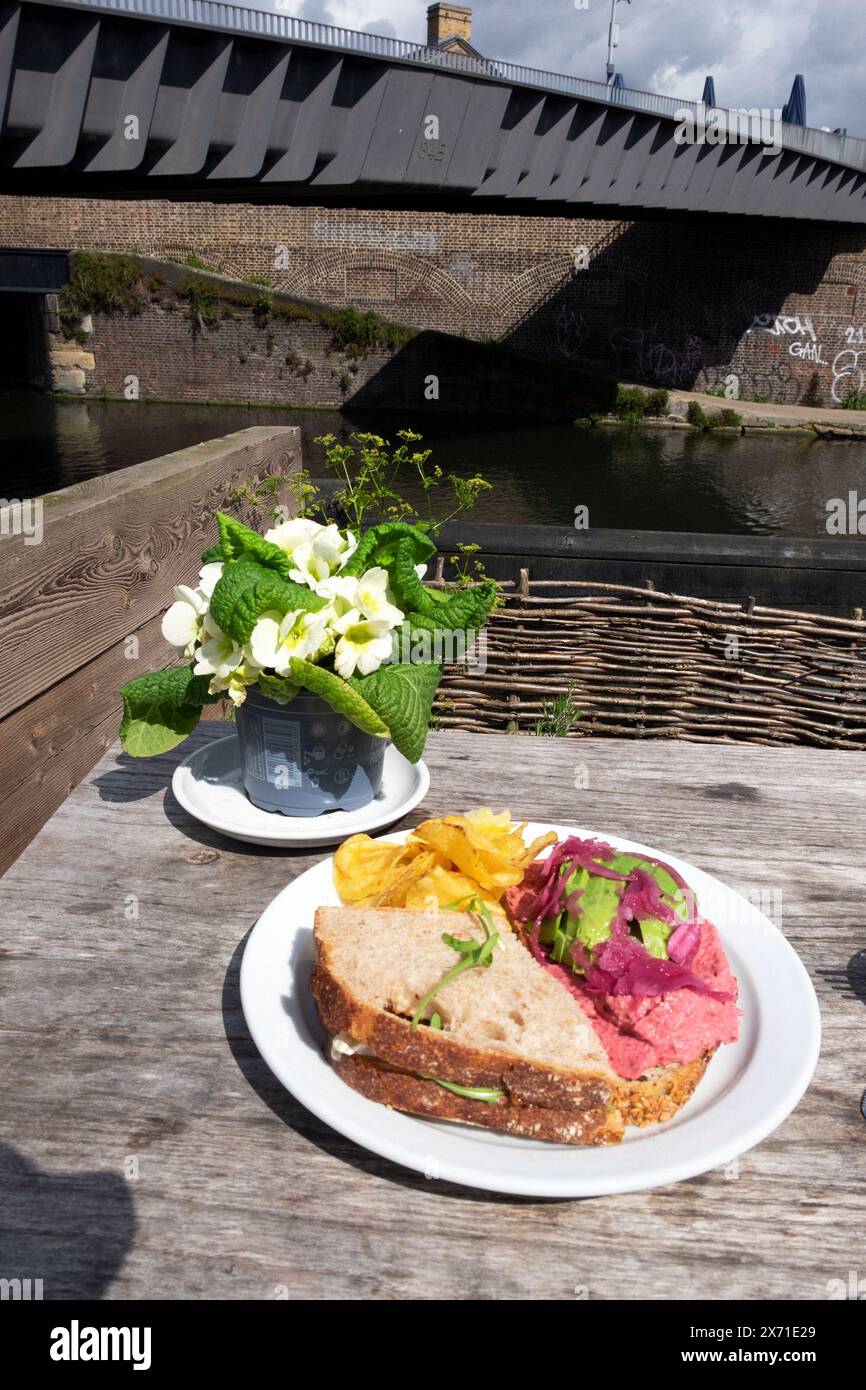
x=597 y=908
x=598 y=904
x=654 y=935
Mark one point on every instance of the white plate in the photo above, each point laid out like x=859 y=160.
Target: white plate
x=208 y=785
x=749 y=1087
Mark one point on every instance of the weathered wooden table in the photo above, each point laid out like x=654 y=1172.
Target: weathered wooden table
x=148 y=1152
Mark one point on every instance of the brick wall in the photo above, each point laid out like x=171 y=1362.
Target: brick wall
x=244 y=357
x=232 y=347
x=780 y=308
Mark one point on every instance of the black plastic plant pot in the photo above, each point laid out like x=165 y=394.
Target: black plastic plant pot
x=303 y=758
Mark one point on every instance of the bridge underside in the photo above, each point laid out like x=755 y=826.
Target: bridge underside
x=33 y=272
x=104 y=104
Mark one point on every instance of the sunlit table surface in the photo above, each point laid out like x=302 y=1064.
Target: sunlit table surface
x=147 y=1150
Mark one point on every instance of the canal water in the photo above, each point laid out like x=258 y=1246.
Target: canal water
x=653 y=480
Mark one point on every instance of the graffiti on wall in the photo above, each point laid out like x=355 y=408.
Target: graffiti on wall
x=571 y=331
x=849 y=374
x=779 y=325
x=774 y=380
x=799 y=337
x=641 y=352
x=804 y=342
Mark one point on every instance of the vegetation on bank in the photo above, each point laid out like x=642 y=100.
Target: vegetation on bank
x=99 y=282
x=632 y=404
x=111 y=282
x=201 y=305
x=359 y=333
x=722 y=419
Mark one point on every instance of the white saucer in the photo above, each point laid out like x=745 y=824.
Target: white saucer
x=208 y=785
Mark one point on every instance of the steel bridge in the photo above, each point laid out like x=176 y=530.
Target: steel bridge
x=195 y=99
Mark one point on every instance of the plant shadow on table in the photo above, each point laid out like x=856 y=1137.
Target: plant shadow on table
x=135 y=779
x=296 y=1116
x=74 y=1230
x=119 y=784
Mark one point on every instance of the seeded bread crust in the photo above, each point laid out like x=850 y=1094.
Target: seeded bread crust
x=417 y=1096
x=662 y=1092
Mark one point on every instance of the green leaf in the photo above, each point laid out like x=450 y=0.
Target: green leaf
x=379 y=546
x=213 y=554
x=237 y=541
x=408 y=588
x=276 y=688
x=161 y=709
x=340 y=695
x=400 y=547
x=485 y=1093
x=464 y=610
x=245 y=590
x=403 y=696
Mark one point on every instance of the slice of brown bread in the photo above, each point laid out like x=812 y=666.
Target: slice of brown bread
x=509 y=1026
x=402 y=1090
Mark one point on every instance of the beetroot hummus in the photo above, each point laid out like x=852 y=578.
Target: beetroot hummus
x=639 y=1033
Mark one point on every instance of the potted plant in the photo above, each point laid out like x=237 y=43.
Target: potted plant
x=321 y=632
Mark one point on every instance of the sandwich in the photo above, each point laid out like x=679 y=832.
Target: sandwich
x=445 y=1015
x=561 y=998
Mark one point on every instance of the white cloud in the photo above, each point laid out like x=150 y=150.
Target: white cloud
x=753 y=48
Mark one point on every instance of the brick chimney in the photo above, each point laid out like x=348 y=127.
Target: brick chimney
x=448 y=21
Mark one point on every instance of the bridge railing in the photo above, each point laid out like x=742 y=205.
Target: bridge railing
x=211 y=14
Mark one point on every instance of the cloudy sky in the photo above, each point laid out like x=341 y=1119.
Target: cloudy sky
x=753 y=47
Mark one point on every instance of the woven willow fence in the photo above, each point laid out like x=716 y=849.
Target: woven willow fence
x=645 y=664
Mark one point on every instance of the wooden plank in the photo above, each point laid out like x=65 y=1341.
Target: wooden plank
x=124 y=1040
x=112 y=550
x=49 y=744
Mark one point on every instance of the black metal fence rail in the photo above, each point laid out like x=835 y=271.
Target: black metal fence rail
x=815 y=575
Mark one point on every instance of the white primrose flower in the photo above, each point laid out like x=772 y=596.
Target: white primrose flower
x=275 y=639
x=290 y=534
x=363 y=645
x=182 y=623
x=373 y=599
x=234 y=683
x=217 y=656
x=317 y=560
x=207 y=578
x=342 y=591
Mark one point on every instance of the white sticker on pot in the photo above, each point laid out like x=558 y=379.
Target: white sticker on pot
x=283 y=752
